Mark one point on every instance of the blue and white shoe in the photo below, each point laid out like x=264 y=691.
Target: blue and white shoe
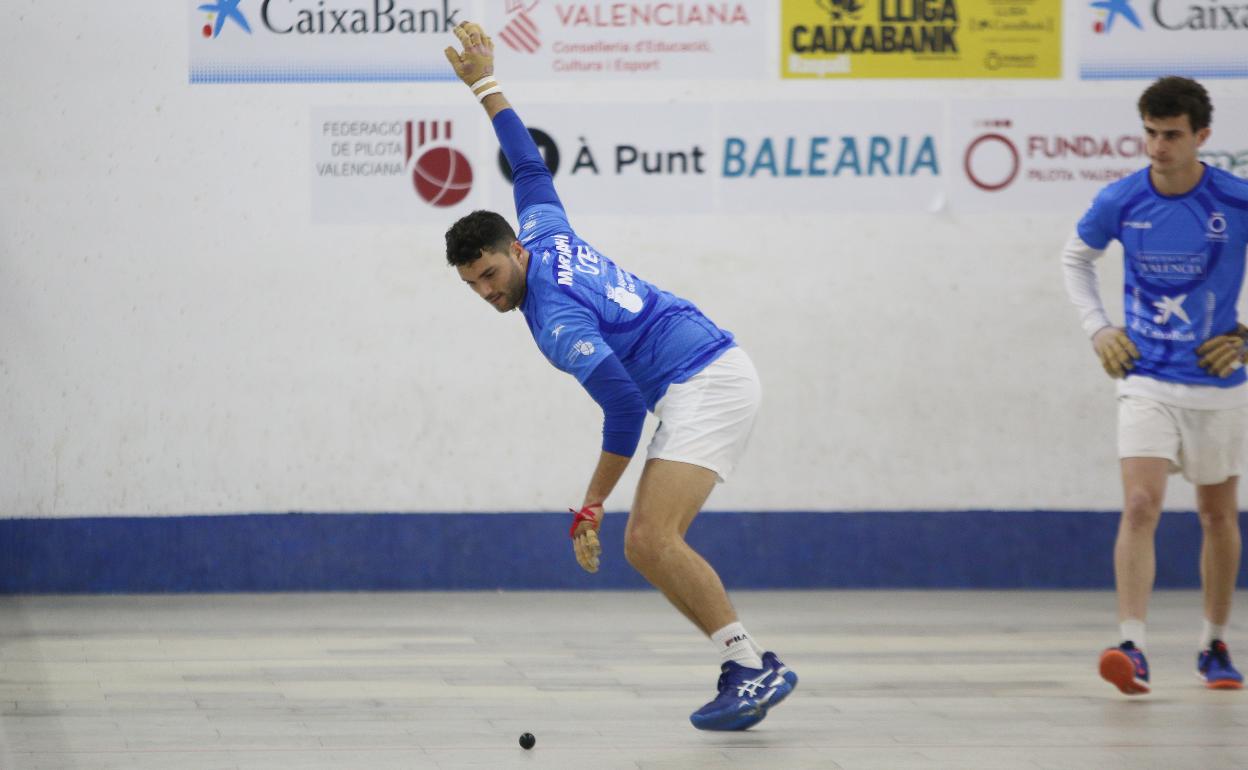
x=772 y=662
x=789 y=675
x=745 y=694
x=1215 y=667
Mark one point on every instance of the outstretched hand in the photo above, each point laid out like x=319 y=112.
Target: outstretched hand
x=477 y=59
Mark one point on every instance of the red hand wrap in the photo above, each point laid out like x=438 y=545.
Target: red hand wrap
x=585 y=514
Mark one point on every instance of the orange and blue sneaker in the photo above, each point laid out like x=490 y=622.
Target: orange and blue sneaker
x=1126 y=668
x=1215 y=668
x=744 y=696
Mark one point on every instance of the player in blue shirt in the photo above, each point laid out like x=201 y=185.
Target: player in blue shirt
x=1182 y=397
x=633 y=347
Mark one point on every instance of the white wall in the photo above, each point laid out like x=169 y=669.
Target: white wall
x=177 y=336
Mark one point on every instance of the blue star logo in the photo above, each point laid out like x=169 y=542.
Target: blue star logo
x=1116 y=8
x=226 y=9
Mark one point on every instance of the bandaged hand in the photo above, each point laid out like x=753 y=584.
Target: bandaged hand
x=477 y=59
x=1116 y=351
x=584 y=534
x=1224 y=354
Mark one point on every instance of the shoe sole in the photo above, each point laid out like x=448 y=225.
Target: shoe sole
x=739 y=721
x=1224 y=684
x=1118 y=670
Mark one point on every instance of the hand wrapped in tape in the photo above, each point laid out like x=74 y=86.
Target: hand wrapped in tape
x=477 y=59
x=1224 y=354
x=1116 y=351
x=584 y=535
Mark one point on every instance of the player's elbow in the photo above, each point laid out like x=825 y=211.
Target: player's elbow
x=621 y=426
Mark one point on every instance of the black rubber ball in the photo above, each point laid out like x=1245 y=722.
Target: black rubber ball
x=527 y=740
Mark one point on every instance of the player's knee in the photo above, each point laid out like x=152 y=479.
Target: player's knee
x=638 y=548
x=642 y=545
x=1142 y=510
x=1219 y=518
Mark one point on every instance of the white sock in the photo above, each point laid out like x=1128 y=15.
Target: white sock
x=1209 y=633
x=735 y=644
x=1132 y=630
x=757 y=650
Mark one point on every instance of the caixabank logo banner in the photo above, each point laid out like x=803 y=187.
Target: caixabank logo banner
x=1144 y=39
x=393 y=165
x=921 y=38
x=311 y=41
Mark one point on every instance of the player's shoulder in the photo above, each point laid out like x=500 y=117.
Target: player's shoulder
x=542 y=221
x=1229 y=187
x=1123 y=190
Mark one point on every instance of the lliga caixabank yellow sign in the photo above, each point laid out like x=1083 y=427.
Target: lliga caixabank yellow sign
x=921 y=38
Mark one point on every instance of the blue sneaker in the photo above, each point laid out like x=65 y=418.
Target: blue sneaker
x=1215 y=667
x=1126 y=668
x=789 y=675
x=745 y=694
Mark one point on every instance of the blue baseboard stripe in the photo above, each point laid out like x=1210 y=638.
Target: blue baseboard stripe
x=431 y=551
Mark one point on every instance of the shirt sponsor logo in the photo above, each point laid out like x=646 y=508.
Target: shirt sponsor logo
x=624 y=298
x=1168 y=307
x=1215 y=230
x=1175 y=268
x=580 y=348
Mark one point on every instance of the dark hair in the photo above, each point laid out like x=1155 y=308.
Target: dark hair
x=477 y=232
x=1173 y=96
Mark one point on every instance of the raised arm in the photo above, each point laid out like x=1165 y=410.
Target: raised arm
x=531 y=180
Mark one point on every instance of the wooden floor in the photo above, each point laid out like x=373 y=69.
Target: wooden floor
x=890 y=681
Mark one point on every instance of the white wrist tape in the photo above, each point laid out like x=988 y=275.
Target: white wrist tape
x=481 y=82
x=495 y=89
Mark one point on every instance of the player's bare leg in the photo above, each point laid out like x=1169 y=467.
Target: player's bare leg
x=1135 y=560
x=1135 y=567
x=669 y=496
x=1218 y=505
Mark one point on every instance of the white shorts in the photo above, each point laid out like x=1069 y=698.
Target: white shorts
x=707 y=419
x=1207 y=445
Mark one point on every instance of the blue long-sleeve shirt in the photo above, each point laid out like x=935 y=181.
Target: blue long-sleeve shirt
x=584 y=310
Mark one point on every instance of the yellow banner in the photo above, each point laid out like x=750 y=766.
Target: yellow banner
x=921 y=38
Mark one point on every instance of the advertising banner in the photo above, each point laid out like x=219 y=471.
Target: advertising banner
x=830 y=156
x=321 y=41
x=921 y=38
x=398 y=165
x=613 y=40
x=1152 y=38
x=1054 y=155
x=620 y=159
x=395 y=165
